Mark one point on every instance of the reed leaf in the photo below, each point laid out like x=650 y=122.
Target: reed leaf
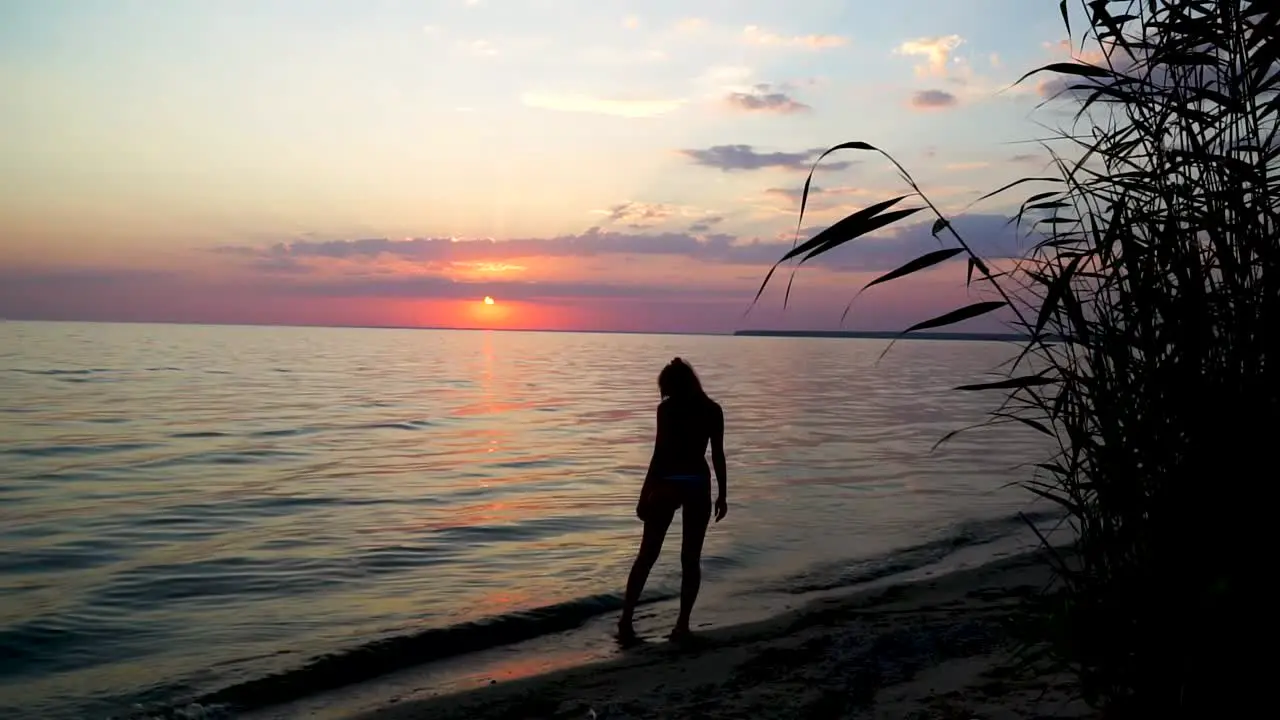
x=967 y=312
x=1010 y=383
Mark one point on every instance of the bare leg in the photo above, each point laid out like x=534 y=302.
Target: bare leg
x=655 y=531
x=697 y=515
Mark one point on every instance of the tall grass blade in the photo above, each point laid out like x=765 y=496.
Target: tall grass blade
x=924 y=261
x=927 y=260
x=967 y=312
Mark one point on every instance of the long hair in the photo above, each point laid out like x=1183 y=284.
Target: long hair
x=678 y=381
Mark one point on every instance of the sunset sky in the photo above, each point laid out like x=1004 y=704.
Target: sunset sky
x=589 y=164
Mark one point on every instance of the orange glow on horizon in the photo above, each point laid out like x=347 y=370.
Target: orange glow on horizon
x=470 y=313
x=489 y=314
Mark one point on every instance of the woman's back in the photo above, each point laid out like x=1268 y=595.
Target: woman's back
x=686 y=425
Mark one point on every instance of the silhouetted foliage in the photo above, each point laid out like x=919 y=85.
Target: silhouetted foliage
x=1150 y=298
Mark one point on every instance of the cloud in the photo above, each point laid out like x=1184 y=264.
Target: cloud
x=113 y=278
x=641 y=214
x=744 y=157
x=1059 y=87
x=975 y=165
x=794 y=195
x=439 y=287
x=933 y=100
x=445 y=251
x=754 y=35
x=603 y=288
x=991 y=235
x=633 y=212
x=766 y=98
x=706 y=224
x=939 y=63
x=629 y=108
x=1026 y=158
x=935 y=50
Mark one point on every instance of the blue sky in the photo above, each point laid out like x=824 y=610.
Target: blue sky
x=188 y=139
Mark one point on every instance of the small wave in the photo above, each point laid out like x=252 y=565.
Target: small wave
x=62 y=450
x=215 y=580
x=532 y=464
x=402 y=425
x=78 y=555
x=527 y=530
x=380 y=657
x=285 y=432
x=67 y=475
x=44 y=645
x=966 y=534
x=237 y=457
x=397 y=558
x=57 y=371
x=197 y=434
x=85 y=379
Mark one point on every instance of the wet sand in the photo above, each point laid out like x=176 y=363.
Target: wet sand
x=937 y=648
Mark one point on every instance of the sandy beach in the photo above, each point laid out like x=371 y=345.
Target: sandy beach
x=936 y=648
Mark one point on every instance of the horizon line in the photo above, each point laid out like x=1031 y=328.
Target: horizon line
x=339 y=326
x=742 y=332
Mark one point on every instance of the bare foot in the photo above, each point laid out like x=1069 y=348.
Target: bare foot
x=680 y=633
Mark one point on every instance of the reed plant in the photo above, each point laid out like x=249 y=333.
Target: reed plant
x=1149 y=302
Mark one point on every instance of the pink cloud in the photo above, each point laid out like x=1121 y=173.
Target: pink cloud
x=764 y=98
x=933 y=100
x=754 y=35
x=598 y=279
x=731 y=158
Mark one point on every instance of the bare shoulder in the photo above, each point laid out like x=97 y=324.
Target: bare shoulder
x=664 y=409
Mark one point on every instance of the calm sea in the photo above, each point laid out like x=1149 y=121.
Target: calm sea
x=249 y=514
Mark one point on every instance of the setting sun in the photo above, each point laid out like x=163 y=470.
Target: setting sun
x=488 y=300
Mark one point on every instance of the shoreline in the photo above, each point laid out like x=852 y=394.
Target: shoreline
x=931 y=648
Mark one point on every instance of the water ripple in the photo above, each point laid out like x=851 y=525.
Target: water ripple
x=200 y=506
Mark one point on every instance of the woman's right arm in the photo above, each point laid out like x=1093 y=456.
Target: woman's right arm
x=647 y=487
x=718 y=462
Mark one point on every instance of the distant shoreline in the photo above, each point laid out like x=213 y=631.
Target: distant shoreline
x=883 y=335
